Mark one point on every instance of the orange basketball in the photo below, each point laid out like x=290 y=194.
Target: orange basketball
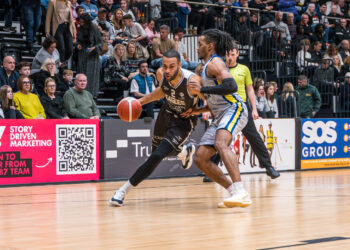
x=129 y=109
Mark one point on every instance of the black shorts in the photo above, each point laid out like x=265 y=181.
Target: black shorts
x=172 y=128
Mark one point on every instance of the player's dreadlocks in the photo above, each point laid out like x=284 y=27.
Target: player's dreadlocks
x=222 y=41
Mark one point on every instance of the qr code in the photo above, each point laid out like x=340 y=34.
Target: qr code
x=76 y=149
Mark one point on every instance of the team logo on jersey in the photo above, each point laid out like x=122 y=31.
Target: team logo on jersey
x=181 y=96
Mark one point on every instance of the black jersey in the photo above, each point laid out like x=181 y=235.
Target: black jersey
x=177 y=98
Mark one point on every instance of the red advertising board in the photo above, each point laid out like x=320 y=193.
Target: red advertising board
x=40 y=151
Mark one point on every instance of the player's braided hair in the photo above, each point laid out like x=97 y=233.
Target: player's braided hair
x=222 y=41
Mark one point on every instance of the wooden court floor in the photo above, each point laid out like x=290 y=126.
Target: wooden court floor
x=301 y=210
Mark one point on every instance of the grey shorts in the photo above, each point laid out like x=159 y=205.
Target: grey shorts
x=232 y=119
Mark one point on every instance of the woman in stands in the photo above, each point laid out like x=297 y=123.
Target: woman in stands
x=28 y=103
x=287 y=107
x=115 y=74
x=271 y=100
x=337 y=66
x=261 y=102
x=331 y=51
x=125 y=9
x=89 y=46
x=346 y=66
x=150 y=31
x=48 y=69
x=47 y=51
x=8 y=106
x=131 y=57
x=53 y=103
x=60 y=23
x=117 y=21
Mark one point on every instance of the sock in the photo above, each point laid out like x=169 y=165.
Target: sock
x=231 y=189
x=126 y=187
x=238 y=185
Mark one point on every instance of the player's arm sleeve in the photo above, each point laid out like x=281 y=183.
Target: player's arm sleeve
x=228 y=86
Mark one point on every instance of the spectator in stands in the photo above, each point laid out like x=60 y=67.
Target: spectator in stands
x=333 y=22
x=103 y=25
x=323 y=14
x=78 y=102
x=110 y=8
x=316 y=53
x=320 y=35
x=337 y=66
x=240 y=30
x=79 y=10
x=137 y=35
x=310 y=99
x=74 y=5
x=47 y=51
x=301 y=34
x=253 y=22
x=288 y=6
x=24 y=70
x=115 y=74
x=168 y=9
x=312 y=15
x=68 y=78
x=324 y=75
x=161 y=45
x=342 y=31
x=257 y=82
x=261 y=102
x=271 y=100
x=180 y=47
x=346 y=66
x=287 y=106
x=90 y=8
x=305 y=24
x=343 y=7
x=141 y=85
x=28 y=103
x=331 y=51
x=274 y=45
x=291 y=26
x=32 y=19
x=107 y=49
x=53 y=103
x=151 y=32
x=89 y=45
x=131 y=58
x=8 y=105
x=48 y=69
x=196 y=17
x=344 y=49
x=125 y=9
x=344 y=93
x=9 y=6
x=303 y=55
x=8 y=74
x=59 y=17
x=117 y=21
x=183 y=10
x=280 y=25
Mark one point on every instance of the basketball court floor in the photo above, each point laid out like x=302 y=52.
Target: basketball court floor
x=299 y=210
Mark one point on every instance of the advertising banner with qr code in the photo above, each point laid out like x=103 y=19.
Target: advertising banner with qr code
x=128 y=145
x=41 y=151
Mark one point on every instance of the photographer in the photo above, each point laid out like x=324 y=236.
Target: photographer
x=115 y=73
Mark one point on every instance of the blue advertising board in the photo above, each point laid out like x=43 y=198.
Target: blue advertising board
x=325 y=143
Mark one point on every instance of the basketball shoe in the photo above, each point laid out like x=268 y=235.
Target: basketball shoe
x=240 y=198
x=117 y=199
x=186 y=155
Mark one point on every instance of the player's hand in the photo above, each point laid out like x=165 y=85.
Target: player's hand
x=255 y=114
x=187 y=113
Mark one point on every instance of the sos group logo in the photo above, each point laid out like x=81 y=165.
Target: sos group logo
x=318 y=139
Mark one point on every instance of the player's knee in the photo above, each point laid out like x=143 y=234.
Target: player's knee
x=198 y=159
x=220 y=146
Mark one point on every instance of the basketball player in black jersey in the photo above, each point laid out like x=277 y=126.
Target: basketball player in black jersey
x=171 y=129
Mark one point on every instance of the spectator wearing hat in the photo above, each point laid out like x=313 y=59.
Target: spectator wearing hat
x=103 y=25
x=344 y=93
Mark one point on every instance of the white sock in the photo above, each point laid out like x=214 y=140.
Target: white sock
x=126 y=187
x=238 y=185
x=231 y=189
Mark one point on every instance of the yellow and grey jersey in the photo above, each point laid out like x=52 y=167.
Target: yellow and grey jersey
x=217 y=103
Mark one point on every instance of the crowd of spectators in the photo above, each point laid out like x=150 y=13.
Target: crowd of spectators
x=112 y=45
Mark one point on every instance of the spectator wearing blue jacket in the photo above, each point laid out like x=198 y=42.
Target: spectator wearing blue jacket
x=90 y=8
x=288 y=6
x=141 y=85
x=8 y=75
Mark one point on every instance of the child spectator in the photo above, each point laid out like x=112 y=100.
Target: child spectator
x=8 y=105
